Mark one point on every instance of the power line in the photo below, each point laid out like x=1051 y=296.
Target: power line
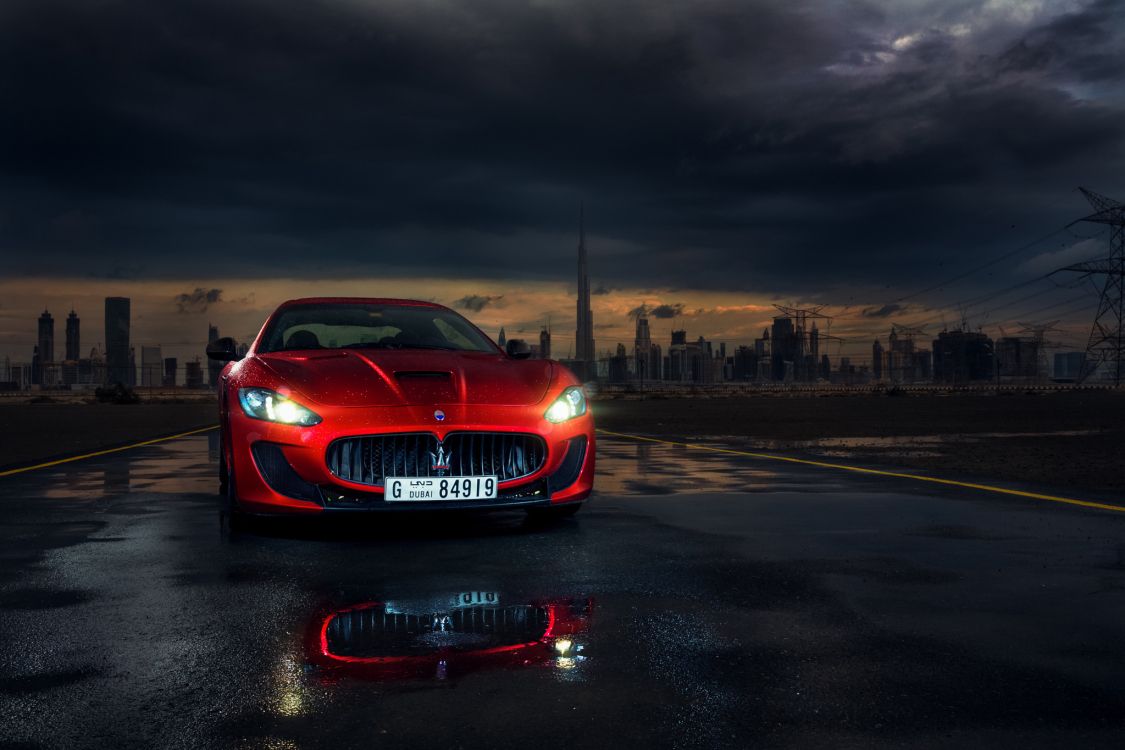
x=981 y=267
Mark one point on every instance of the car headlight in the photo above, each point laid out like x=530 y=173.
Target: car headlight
x=270 y=406
x=571 y=404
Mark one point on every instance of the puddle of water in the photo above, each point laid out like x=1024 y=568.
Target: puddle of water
x=631 y=468
x=901 y=441
x=174 y=467
x=448 y=636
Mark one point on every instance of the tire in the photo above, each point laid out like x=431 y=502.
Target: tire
x=554 y=514
x=224 y=473
x=236 y=519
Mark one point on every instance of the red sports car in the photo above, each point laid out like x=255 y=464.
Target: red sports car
x=354 y=404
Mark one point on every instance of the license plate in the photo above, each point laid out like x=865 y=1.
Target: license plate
x=440 y=605
x=439 y=489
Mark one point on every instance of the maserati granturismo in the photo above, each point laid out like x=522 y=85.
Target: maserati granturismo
x=346 y=405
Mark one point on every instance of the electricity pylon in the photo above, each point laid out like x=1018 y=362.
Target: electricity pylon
x=1106 y=345
x=1037 y=332
x=804 y=338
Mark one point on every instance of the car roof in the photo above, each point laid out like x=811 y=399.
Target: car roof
x=360 y=300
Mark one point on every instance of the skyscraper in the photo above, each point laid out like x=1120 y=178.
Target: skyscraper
x=44 y=350
x=46 y=338
x=503 y=340
x=646 y=357
x=545 y=343
x=584 y=334
x=72 y=342
x=877 y=360
x=117 y=339
x=785 y=347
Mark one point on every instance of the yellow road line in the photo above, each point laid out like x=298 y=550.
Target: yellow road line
x=56 y=462
x=877 y=472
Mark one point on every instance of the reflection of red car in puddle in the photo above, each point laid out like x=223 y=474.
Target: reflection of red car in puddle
x=441 y=638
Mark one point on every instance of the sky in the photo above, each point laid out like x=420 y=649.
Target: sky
x=211 y=158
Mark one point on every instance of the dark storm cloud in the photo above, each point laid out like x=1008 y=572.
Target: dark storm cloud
x=884 y=311
x=664 y=311
x=727 y=144
x=477 y=302
x=197 y=300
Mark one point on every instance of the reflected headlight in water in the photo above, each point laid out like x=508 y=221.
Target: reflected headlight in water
x=270 y=406
x=571 y=404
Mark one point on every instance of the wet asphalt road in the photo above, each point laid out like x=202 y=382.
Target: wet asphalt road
x=700 y=600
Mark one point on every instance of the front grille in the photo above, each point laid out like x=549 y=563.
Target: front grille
x=371 y=458
x=374 y=632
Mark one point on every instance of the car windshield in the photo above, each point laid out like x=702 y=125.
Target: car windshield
x=356 y=325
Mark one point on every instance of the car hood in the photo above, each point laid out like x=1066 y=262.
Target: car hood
x=347 y=377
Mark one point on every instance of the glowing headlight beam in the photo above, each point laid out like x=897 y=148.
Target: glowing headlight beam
x=269 y=406
x=570 y=404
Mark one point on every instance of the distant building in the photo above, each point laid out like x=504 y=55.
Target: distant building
x=193 y=374
x=963 y=357
x=584 y=331
x=904 y=363
x=46 y=338
x=1018 y=357
x=877 y=360
x=762 y=352
x=745 y=363
x=92 y=370
x=619 y=365
x=43 y=356
x=214 y=366
x=545 y=343
x=117 y=340
x=170 y=368
x=152 y=364
x=503 y=340
x=73 y=341
x=785 y=347
x=1068 y=365
x=647 y=362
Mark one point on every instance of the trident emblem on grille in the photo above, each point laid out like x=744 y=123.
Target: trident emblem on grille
x=441 y=460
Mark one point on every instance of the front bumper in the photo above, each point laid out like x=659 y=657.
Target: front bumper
x=283 y=469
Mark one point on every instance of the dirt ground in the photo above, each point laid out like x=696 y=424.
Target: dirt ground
x=1073 y=440
x=30 y=433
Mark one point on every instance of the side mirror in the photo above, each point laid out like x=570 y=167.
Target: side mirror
x=223 y=349
x=518 y=349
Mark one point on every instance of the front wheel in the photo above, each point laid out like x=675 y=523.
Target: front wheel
x=228 y=502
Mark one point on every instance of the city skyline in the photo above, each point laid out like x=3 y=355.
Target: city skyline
x=721 y=317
